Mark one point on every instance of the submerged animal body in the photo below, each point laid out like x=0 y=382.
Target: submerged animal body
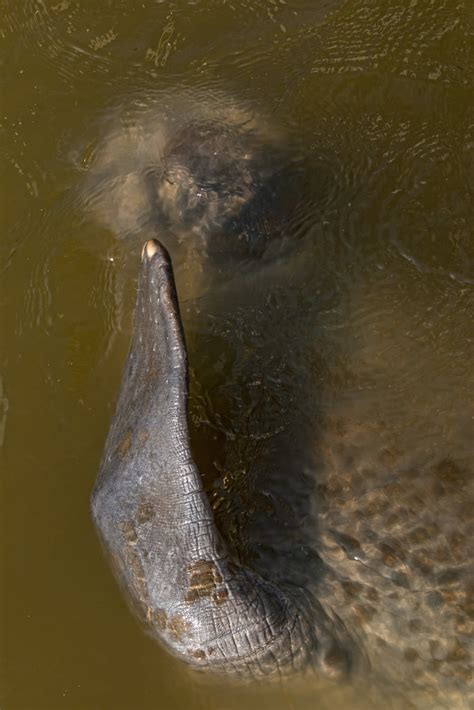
x=393 y=589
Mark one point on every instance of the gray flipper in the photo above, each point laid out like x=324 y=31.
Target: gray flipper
x=158 y=528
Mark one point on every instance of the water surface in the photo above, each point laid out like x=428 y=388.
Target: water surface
x=363 y=325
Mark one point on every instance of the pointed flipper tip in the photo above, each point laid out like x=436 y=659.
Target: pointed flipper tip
x=149 y=249
x=153 y=248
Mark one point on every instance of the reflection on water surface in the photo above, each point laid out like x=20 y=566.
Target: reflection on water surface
x=331 y=404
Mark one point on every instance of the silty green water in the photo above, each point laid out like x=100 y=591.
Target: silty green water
x=366 y=320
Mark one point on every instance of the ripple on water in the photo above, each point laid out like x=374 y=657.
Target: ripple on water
x=396 y=182
x=401 y=38
x=56 y=34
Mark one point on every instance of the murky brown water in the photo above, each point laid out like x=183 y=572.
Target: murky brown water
x=363 y=324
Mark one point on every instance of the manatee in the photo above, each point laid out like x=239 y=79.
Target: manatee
x=392 y=591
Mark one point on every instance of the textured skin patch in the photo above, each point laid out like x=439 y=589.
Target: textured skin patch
x=125 y=444
x=422 y=560
x=459 y=652
x=221 y=596
x=145 y=513
x=458 y=545
x=173 y=626
x=389 y=556
x=134 y=563
x=415 y=626
x=352 y=590
x=204 y=577
x=143 y=436
x=422 y=534
x=372 y=594
x=160 y=619
x=128 y=531
x=177 y=627
x=401 y=574
x=362 y=614
x=137 y=573
x=196 y=653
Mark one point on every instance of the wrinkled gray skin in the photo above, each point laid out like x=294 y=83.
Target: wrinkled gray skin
x=156 y=522
x=395 y=589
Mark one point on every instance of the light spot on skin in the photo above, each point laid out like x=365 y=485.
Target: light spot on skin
x=125 y=444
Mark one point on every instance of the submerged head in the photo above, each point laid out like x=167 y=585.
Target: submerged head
x=218 y=186
x=207 y=174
